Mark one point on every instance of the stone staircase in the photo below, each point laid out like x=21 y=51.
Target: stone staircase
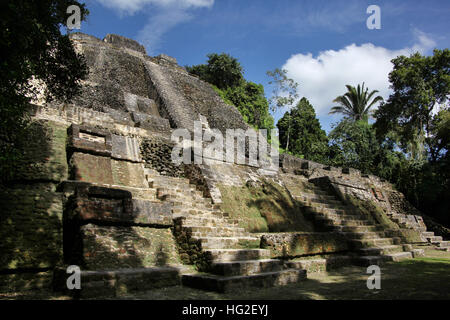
x=370 y=242
x=228 y=257
x=437 y=241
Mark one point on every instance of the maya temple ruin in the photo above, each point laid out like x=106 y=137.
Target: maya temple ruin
x=98 y=189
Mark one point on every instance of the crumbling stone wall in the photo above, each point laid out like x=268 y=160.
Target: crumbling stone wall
x=107 y=227
x=156 y=154
x=31 y=220
x=291 y=245
x=31 y=209
x=44 y=153
x=30 y=227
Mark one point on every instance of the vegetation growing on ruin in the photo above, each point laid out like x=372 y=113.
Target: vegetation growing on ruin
x=408 y=142
x=226 y=75
x=33 y=49
x=372 y=210
x=264 y=208
x=307 y=139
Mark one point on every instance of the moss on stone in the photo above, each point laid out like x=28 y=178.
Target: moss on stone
x=267 y=207
x=31 y=228
x=372 y=210
x=43 y=153
x=127 y=247
x=295 y=244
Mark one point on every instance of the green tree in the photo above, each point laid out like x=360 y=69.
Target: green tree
x=284 y=95
x=356 y=103
x=308 y=140
x=359 y=148
x=420 y=84
x=226 y=75
x=250 y=100
x=221 y=70
x=33 y=48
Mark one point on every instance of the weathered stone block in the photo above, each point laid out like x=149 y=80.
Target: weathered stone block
x=351 y=171
x=90 y=140
x=91 y=168
x=291 y=164
x=128 y=174
x=125 y=148
x=309 y=165
x=31 y=227
x=124 y=43
x=43 y=153
x=298 y=244
x=126 y=247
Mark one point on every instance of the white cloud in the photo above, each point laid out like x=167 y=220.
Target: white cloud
x=323 y=78
x=133 y=6
x=152 y=33
x=163 y=16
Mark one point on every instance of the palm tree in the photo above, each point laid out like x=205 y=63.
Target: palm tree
x=356 y=103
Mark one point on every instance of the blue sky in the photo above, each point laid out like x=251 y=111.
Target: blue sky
x=324 y=45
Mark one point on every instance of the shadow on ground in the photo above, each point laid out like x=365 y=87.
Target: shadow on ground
x=421 y=279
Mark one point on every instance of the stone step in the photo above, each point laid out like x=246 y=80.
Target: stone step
x=428 y=234
x=380 y=250
x=230 y=284
x=320 y=265
x=367 y=243
x=365 y=235
x=338 y=207
x=211 y=224
x=186 y=199
x=177 y=213
x=312 y=189
x=399 y=256
x=195 y=203
x=305 y=189
x=209 y=221
x=416 y=253
x=315 y=199
x=226 y=242
x=343 y=222
x=371 y=228
x=301 y=196
x=189 y=195
x=443 y=244
x=344 y=216
x=245 y=268
x=224 y=255
x=434 y=239
x=115 y=283
x=217 y=231
x=170 y=180
x=330 y=211
x=366 y=261
x=176 y=188
x=195 y=211
x=226 y=234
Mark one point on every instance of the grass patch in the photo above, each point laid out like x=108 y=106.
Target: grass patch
x=267 y=207
x=424 y=278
